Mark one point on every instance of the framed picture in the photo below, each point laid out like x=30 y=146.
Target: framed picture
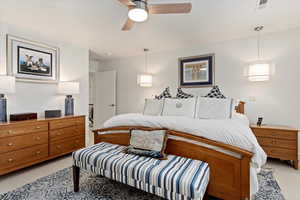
x=197 y=71
x=32 y=61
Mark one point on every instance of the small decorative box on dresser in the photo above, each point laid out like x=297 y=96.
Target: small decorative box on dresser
x=278 y=142
x=25 y=143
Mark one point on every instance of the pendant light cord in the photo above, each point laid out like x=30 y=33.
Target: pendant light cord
x=146 y=60
x=258 y=29
x=258 y=45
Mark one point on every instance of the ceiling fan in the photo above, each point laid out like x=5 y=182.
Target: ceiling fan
x=139 y=10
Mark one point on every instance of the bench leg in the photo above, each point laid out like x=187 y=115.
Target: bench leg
x=76 y=176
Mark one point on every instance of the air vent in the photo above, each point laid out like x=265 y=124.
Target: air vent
x=262 y=4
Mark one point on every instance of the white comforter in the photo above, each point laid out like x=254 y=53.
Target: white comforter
x=230 y=131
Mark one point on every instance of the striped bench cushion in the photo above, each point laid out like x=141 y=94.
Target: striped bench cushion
x=176 y=174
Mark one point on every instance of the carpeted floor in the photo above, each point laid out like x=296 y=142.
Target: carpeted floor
x=59 y=186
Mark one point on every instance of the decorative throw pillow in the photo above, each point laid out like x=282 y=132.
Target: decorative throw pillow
x=214 y=108
x=215 y=93
x=148 y=143
x=153 y=107
x=165 y=94
x=180 y=107
x=183 y=95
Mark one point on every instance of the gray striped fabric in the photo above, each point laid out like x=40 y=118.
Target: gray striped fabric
x=174 y=178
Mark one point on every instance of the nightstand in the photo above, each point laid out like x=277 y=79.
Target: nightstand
x=278 y=142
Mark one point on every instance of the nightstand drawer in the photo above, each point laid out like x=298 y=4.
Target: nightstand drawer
x=281 y=134
x=284 y=154
x=273 y=142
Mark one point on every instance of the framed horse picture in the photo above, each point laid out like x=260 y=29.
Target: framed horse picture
x=197 y=71
x=32 y=61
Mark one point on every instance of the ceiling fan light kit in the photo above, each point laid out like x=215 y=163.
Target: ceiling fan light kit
x=139 y=10
x=139 y=13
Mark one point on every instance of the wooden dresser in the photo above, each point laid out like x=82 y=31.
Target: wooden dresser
x=278 y=142
x=25 y=143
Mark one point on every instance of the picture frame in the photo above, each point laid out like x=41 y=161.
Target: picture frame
x=197 y=71
x=31 y=61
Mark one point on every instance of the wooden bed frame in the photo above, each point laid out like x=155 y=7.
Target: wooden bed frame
x=229 y=175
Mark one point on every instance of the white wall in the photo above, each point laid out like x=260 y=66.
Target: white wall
x=33 y=97
x=277 y=100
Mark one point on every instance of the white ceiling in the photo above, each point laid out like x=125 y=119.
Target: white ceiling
x=96 y=24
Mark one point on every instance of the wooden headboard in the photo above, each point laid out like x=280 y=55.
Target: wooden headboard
x=240 y=108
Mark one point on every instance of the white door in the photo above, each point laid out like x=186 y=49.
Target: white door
x=105 y=97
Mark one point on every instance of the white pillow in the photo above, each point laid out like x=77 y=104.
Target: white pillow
x=153 y=106
x=180 y=107
x=213 y=108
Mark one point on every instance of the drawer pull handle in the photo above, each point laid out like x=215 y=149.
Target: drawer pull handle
x=10 y=160
x=37 y=138
x=38 y=152
x=10 y=132
x=38 y=127
x=10 y=144
x=58 y=146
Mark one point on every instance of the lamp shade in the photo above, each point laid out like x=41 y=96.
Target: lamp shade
x=68 y=88
x=259 y=72
x=7 y=84
x=145 y=80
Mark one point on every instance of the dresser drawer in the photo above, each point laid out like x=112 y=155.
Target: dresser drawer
x=281 y=143
x=63 y=133
x=63 y=123
x=281 y=134
x=17 y=158
x=22 y=128
x=66 y=146
x=20 y=142
x=284 y=154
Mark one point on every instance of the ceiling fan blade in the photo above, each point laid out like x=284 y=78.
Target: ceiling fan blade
x=127 y=2
x=170 y=8
x=128 y=25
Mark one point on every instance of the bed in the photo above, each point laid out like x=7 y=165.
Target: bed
x=234 y=160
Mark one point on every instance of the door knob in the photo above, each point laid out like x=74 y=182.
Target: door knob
x=112 y=105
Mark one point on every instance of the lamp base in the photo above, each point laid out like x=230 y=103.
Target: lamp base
x=69 y=105
x=3 y=108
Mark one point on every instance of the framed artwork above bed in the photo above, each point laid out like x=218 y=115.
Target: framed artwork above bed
x=32 y=61
x=197 y=71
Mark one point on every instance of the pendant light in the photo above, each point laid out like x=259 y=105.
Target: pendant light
x=145 y=79
x=259 y=70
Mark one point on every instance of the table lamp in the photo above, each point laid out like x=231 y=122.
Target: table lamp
x=7 y=86
x=68 y=89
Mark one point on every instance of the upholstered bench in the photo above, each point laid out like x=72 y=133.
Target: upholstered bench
x=174 y=178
